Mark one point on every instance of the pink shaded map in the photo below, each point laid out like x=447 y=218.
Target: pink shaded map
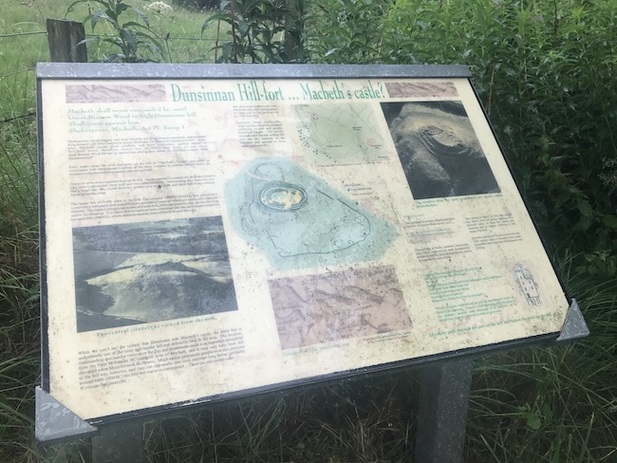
x=115 y=93
x=420 y=89
x=318 y=309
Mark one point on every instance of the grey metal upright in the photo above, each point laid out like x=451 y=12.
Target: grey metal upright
x=443 y=404
x=121 y=442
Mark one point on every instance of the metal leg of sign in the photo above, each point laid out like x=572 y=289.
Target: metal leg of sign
x=119 y=443
x=444 y=400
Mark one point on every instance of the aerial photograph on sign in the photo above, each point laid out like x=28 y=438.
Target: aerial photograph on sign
x=151 y=271
x=317 y=309
x=439 y=150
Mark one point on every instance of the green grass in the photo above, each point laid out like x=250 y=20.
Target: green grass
x=19 y=308
x=354 y=421
x=179 y=30
x=545 y=76
x=19 y=53
x=23 y=43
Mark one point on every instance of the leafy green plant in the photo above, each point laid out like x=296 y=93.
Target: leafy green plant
x=134 y=40
x=260 y=31
x=19 y=340
x=349 y=31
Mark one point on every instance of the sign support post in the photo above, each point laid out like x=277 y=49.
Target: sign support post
x=443 y=404
x=119 y=443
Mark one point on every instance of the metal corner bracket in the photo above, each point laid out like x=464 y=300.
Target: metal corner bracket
x=54 y=422
x=574 y=327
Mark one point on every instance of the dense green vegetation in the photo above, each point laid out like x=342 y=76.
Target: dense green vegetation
x=546 y=72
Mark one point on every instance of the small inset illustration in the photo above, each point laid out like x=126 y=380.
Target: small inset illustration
x=318 y=309
x=115 y=93
x=421 y=89
x=340 y=133
x=527 y=284
x=151 y=271
x=438 y=148
x=298 y=221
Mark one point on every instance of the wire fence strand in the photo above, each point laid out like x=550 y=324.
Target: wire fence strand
x=19 y=34
x=14 y=73
x=101 y=36
x=171 y=38
x=105 y=36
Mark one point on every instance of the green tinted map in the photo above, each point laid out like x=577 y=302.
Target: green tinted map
x=297 y=220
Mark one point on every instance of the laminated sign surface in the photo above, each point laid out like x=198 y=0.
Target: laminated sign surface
x=211 y=231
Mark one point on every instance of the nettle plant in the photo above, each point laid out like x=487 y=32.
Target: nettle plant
x=133 y=40
x=350 y=31
x=259 y=31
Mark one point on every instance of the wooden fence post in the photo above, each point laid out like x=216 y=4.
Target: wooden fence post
x=66 y=41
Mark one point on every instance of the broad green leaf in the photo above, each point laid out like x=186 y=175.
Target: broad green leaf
x=533 y=421
x=97 y=16
x=142 y=15
x=610 y=221
x=585 y=208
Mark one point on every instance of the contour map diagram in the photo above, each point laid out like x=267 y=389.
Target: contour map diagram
x=297 y=220
x=340 y=133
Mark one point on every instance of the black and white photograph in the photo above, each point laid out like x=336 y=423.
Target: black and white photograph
x=151 y=271
x=439 y=150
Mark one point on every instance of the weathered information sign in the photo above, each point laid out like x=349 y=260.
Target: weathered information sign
x=208 y=236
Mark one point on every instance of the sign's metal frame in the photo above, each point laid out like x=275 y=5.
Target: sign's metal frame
x=446 y=377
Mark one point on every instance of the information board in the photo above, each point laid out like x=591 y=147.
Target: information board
x=215 y=230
